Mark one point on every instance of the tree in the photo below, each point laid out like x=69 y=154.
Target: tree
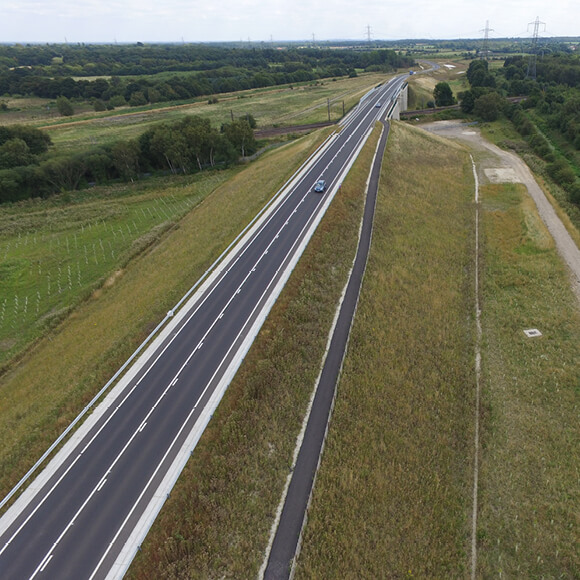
x=63 y=173
x=117 y=101
x=197 y=133
x=98 y=165
x=443 y=95
x=467 y=101
x=477 y=72
x=99 y=105
x=9 y=185
x=240 y=134
x=561 y=172
x=125 y=157
x=169 y=147
x=37 y=141
x=489 y=106
x=64 y=107
x=137 y=99
x=14 y=153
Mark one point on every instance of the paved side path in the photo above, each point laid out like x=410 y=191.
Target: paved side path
x=499 y=166
x=288 y=535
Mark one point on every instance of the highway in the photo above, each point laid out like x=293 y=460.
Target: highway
x=88 y=511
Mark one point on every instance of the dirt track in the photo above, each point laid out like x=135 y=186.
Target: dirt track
x=494 y=165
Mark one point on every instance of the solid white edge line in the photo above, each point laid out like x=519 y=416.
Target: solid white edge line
x=477 y=383
x=71 y=444
x=76 y=438
x=300 y=437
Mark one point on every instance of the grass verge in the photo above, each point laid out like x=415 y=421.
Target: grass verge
x=503 y=134
x=529 y=498
x=392 y=498
x=52 y=383
x=217 y=521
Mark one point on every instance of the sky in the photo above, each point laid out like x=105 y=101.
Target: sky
x=128 y=21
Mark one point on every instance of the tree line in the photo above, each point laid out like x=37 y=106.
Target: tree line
x=27 y=168
x=551 y=105
x=200 y=70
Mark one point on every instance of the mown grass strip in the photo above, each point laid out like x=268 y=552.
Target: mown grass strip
x=393 y=494
x=528 y=523
x=217 y=521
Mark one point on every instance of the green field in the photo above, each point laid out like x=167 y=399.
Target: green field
x=54 y=253
x=44 y=391
x=528 y=524
x=393 y=496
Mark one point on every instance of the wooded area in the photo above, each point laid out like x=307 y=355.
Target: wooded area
x=185 y=71
x=548 y=118
x=165 y=73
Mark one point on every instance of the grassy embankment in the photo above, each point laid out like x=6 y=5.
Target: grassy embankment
x=392 y=498
x=54 y=253
x=529 y=498
x=57 y=253
x=51 y=384
x=503 y=133
x=217 y=521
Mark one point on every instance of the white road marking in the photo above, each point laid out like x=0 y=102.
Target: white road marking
x=49 y=556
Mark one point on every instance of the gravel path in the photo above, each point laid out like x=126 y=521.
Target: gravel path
x=494 y=165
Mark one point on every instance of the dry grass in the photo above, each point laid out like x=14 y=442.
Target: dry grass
x=278 y=106
x=392 y=497
x=528 y=525
x=42 y=393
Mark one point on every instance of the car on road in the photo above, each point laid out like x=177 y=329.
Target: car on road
x=320 y=186
x=379 y=104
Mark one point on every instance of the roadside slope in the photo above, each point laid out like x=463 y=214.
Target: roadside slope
x=393 y=491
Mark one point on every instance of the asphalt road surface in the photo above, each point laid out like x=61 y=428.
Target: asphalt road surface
x=86 y=514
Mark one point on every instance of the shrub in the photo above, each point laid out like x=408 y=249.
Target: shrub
x=117 y=101
x=64 y=107
x=99 y=105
